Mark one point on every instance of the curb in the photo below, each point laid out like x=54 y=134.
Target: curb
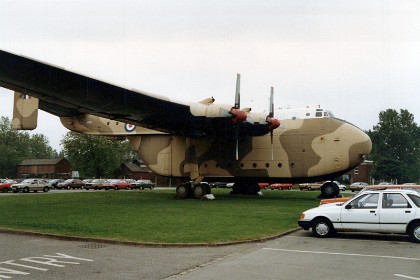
x=142 y=244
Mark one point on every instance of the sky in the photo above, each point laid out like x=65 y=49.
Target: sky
x=355 y=58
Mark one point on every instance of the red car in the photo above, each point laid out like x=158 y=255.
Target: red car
x=117 y=184
x=281 y=186
x=5 y=185
x=71 y=184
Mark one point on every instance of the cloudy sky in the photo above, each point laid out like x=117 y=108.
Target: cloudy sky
x=355 y=58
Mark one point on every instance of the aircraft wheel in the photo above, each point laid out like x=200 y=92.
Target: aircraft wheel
x=183 y=190
x=330 y=190
x=199 y=191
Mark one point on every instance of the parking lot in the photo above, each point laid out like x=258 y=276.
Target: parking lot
x=294 y=256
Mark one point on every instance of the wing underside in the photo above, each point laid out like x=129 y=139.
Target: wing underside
x=66 y=94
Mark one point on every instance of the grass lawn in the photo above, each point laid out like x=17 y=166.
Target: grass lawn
x=156 y=216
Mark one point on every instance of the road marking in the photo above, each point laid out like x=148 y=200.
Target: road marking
x=343 y=254
x=407 y=277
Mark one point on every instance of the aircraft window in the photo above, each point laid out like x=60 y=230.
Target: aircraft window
x=294 y=118
x=267 y=165
x=254 y=165
x=308 y=114
x=318 y=114
x=280 y=165
x=292 y=165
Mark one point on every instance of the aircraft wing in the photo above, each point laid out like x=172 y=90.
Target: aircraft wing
x=64 y=93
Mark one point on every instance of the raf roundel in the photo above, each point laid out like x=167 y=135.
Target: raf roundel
x=129 y=127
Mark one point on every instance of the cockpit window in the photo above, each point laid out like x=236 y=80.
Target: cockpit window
x=318 y=114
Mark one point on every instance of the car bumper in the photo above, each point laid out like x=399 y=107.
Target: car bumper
x=304 y=224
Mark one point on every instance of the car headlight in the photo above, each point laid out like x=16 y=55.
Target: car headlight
x=302 y=216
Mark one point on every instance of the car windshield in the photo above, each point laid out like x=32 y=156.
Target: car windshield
x=415 y=199
x=27 y=181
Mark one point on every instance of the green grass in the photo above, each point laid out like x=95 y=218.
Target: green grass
x=156 y=216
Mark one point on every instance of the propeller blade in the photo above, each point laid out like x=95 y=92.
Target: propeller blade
x=271 y=115
x=238 y=93
x=271 y=109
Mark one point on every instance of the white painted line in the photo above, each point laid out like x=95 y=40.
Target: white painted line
x=342 y=254
x=407 y=277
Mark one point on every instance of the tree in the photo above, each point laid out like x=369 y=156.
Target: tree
x=95 y=156
x=16 y=146
x=396 y=146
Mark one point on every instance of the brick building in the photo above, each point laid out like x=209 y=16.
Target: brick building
x=45 y=168
x=362 y=173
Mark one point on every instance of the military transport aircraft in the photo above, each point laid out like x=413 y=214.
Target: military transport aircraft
x=194 y=141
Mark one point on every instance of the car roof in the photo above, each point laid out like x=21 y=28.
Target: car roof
x=407 y=190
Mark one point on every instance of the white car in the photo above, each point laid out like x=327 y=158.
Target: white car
x=382 y=211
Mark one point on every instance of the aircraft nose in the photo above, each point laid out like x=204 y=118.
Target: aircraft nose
x=362 y=146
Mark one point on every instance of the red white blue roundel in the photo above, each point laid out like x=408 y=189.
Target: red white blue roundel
x=129 y=127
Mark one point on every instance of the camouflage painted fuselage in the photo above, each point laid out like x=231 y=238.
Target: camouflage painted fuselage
x=308 y=149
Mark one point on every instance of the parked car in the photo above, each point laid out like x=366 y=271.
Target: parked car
x=34 y=185
x=382 y=211
x=6 y=185
x=96 y=184
x=133 y=184
x=310 y=186
x=54 y=182
x=146 y=184
x=357 y=186
x=281 y=186
x=71 y=184
x=117 y=184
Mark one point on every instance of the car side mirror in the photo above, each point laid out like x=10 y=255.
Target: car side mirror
x=348 y=206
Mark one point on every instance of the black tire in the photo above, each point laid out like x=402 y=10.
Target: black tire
x=199 y=191
x=414 y=231
x=25 y=190
x=183 y=190
x=46 y=189
x=5 y=190
x=322 y=228
x=329 y=190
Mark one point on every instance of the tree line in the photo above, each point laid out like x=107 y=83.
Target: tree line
x=395 y=152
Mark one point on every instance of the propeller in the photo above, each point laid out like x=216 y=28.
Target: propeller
x=270 y=117
x=237 y=106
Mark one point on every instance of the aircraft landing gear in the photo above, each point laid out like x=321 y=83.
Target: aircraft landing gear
x=246 y=187
x=329 y=190
x=187 y=189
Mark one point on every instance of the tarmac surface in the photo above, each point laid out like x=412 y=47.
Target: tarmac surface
x=294 y=256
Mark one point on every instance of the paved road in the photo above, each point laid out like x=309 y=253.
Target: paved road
x=295 y=256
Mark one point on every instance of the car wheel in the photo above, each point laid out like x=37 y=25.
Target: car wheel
x=414 y=231
x=5 y=190
x=46 y=189
x=289 y=188
x=26 y=190
x=322 y=227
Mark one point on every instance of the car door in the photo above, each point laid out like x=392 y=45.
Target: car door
x=361 y=213
x=395 y=213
